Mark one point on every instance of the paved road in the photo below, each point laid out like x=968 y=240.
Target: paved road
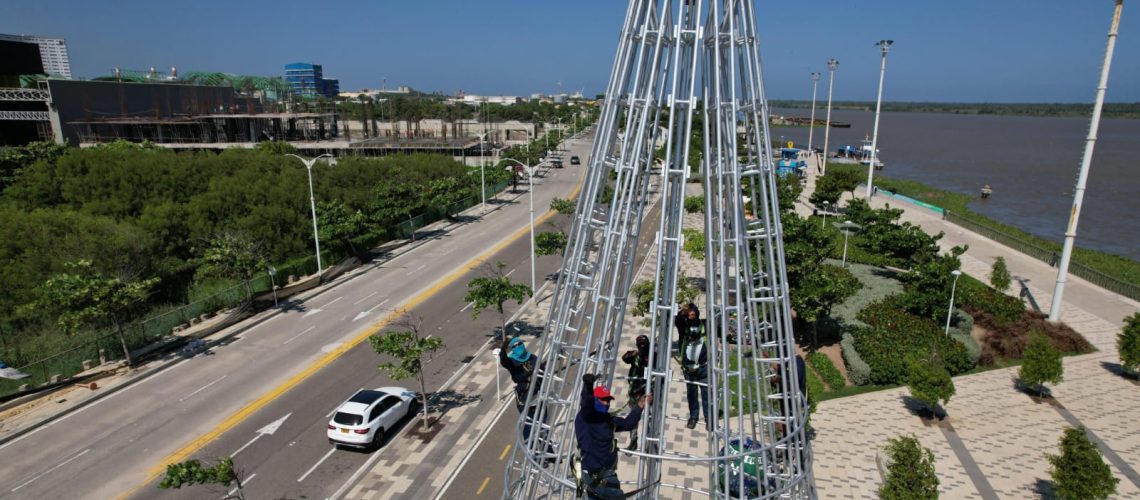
x=298 y=364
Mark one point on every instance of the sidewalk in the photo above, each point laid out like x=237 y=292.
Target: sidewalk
x=22 y=418
x=993 y=443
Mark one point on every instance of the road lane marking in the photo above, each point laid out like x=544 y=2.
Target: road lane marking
x=183 y=453
x=508 y=275
x=504 y=453
x=200 y=389
x=298 y=335
x=380 y=304
x=46 y=472
x=417 y=269
x=333 y=301
x=364 y=299
x=483 y=486
x=243 y=484
x=318 y=464
x=468 y=306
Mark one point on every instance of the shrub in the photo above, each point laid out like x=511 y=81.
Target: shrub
x=910 y=474
x=695 y=204
x=831 y=375
x=1079 y=472
x=1041 y=363
x=929 y=383
x=858 y=371
x=999 y=275
x=1128 y=343
x=893 y=335
x=976 y=297
x=1009 y=339
x=694 y=243
x=815 y=390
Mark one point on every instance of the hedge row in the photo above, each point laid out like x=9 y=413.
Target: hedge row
x=827 y=370
x=858 y=371
x=978 y=297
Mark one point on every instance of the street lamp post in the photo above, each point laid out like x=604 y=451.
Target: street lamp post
x=313 y=206
x=530 y=179
x=884 y=46
x=847 y=227
x=950 y=311
x=811 y=125
x=832 y=65
x=824 y=221
x=482 y=176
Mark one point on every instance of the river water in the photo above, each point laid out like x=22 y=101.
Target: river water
x=1030 y=162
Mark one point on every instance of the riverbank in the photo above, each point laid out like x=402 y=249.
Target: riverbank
x=1126 y=110
x=1122 y=268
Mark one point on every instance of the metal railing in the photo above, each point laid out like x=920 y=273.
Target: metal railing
x=105 y=347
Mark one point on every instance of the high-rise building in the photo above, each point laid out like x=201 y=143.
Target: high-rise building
x=53 y=53
x=308 y=80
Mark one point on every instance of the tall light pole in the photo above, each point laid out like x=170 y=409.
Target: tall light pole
x=482 y=176
x=950 y=311
x=313 y=206
x=811 y=126
x=884 y=46
x=530 y=179
x=1086 y=161
x=832 y=65
x=847 y=227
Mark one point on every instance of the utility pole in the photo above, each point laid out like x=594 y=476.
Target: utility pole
x=832 y=65
x=1086 y=161
x=883 y=45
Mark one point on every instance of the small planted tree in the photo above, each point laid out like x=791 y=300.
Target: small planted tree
x=1079 y=472
x=1040 y=364
x=999 y=275
x=930 y=384
x=86 y=297
x=695 y=204
x=233 y=256
x=409 y=349
x=495 y=289
x=910 y=475
x=562 y=206
x=193 y=472
x=1128 y=344
x=549 y=243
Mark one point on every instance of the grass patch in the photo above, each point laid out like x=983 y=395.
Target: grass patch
x=853 y=390
x=1122 y=268
x=831 y=375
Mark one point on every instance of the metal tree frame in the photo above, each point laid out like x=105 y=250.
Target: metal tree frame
x=677 y=60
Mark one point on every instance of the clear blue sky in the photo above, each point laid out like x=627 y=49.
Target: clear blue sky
x=962 y=50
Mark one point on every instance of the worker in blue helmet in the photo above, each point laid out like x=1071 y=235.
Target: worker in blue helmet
x=520 y=363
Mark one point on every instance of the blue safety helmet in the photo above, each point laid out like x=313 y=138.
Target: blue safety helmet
x=518 y=351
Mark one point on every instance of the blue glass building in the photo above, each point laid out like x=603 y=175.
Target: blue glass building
x=308 y=80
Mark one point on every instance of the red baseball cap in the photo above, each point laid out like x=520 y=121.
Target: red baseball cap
x=600 y=392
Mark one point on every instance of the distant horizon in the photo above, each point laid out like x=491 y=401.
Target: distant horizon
x=943 y=52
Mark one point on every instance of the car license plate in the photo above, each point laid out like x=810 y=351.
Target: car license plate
x=344 y=431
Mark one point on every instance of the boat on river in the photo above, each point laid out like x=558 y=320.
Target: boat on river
x=862 y=154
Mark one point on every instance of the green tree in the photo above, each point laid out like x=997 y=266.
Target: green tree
x=445 y=192
x=999 y=275
x=563 y=206
x=276 y=147
x=828 y=188
x=549 y=242
x=495 y=289
x=193 y=472
x=820 y=291
x=338 y=225
x=910 y=475
x=930 y=383
x=1128 y=344
x=928 y=285
x=695 y=204
x=233 y=256
x=1040 y=363
x=86 y=297
x=409 y=349
x=1079 y=472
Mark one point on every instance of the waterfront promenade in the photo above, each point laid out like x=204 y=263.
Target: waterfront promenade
x=994 y=441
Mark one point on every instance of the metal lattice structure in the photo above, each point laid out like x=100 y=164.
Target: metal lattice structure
x=683 y=68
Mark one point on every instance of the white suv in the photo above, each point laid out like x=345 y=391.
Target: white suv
x=361 y=421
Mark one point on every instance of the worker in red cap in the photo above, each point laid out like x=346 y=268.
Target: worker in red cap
x=594 y=429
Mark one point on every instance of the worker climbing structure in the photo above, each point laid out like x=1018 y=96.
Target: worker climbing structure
x=685 y=99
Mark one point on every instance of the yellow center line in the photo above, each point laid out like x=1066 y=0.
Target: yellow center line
x=483 y=486
x=239 y=416
x=504 y=453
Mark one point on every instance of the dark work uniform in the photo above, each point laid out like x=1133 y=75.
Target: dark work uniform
x=594 y=431
x=695 y=366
